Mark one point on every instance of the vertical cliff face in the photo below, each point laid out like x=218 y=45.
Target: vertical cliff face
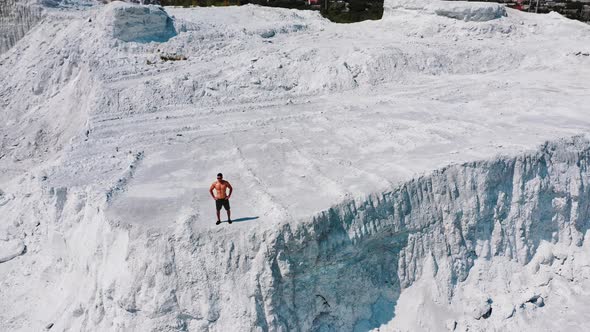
x=345 y=269
x=16 y=19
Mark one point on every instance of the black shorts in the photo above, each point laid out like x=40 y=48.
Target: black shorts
x=222 y=202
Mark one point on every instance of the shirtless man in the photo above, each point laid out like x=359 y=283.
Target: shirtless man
x=220 y=197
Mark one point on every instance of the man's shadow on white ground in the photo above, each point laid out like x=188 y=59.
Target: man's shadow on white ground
x=244 y=219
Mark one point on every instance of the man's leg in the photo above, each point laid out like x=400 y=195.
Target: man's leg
x=217 y=210
x=227 y=209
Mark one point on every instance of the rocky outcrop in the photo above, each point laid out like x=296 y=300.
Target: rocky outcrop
x=10 y=250
x=137 y=23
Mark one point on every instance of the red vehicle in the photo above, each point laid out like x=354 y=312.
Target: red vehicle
x=517 y=5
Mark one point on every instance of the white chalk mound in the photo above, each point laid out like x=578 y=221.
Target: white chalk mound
x=467 y=11
x=10 y=250
x=135 y=23
x=460 y=10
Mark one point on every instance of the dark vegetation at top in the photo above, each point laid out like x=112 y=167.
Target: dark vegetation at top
x=340 y=11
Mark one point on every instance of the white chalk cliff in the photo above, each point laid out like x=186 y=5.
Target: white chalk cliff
x=427 y=171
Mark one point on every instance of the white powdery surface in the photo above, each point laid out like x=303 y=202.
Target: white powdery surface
x=108 y=148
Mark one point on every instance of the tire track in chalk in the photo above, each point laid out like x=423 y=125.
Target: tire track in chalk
x=266 y=199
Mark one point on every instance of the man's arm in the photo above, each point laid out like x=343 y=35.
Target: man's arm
x=211 y=190
x=230 y=190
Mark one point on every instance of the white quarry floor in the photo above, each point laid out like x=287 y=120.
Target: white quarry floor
x=307 y=118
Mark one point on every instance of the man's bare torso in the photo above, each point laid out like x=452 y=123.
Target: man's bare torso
x=220 y=189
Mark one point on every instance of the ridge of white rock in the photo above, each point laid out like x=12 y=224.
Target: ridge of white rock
x=460 y=10
x=108 y=148
x=467 y=11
